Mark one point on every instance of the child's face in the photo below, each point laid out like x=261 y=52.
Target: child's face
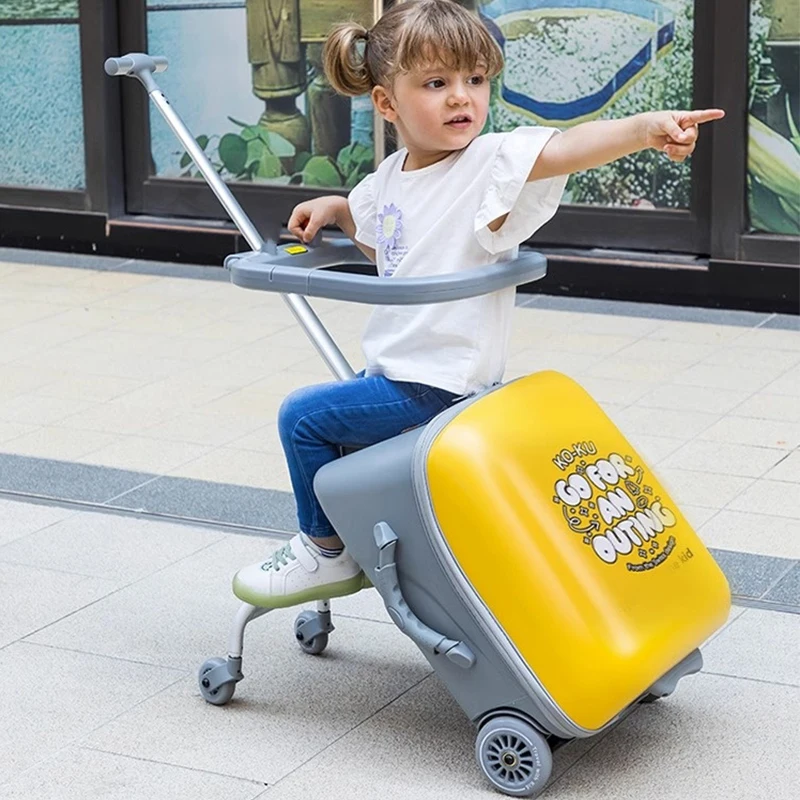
x=436 y=110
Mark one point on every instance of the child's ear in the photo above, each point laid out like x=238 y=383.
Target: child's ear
x=384 y=103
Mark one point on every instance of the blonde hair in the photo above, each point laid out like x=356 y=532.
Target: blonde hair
x=409 y=36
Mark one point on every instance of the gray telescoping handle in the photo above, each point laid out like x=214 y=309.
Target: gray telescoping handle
x=388 y=587
x=268 y=273
x=142 y=67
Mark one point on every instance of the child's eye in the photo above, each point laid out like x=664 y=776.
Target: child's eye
x=436 y=83
x=476 y=80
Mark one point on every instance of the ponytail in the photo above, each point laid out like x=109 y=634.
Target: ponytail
x=345 y=61
x=408 y=35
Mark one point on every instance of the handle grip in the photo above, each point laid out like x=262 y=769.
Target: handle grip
x=133 y=63
x=388 y=586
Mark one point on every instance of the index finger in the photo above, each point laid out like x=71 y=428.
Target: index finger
x=700 y=116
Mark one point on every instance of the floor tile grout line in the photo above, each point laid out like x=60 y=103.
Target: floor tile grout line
x=698 y=529
x=536 y=300
x=748 y=397
x=340 y=615
x=355 y=727
x=597 y=739
x=765 y=605
x=224 y=527
x=724 y=627
x=118 y=267
x=602 y=736
x=119 y=589
x=751 y=679
x=27 y=565
x=788 y=453
x=772 y=316
x=72 y=305
x=129 y=709
x=86 y=506
x=775 y=583
x=97 y=749
x=77 y=741
x=24 y=641
x=152 y=479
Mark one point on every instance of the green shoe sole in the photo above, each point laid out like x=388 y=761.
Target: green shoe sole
x=326 y=592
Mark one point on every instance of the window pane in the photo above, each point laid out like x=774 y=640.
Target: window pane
x=569 y=62
x=38 y=9
x=41 y=124
x=246 y=78
x=773 y=178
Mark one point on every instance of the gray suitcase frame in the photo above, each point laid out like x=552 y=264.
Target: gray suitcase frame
x=377 y=500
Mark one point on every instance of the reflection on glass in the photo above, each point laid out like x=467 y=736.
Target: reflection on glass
x=773 y=163
x=247 y=77
x=41 y=123
x=569 y=62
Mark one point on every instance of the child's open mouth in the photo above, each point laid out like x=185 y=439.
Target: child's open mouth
x=459 y=122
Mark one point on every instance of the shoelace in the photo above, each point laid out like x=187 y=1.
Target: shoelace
x=280 y=558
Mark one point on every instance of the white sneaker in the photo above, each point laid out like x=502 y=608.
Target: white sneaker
x=296 y=573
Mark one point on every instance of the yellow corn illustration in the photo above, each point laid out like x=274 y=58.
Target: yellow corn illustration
x=776 y=163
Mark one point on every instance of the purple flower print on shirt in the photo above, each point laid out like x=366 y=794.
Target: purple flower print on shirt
x=390 y=227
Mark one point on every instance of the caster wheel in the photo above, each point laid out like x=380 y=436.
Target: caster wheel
x=316 y=644
x=220 y=695
x=514 y=756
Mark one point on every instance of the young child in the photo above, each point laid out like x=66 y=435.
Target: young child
x=448 y=200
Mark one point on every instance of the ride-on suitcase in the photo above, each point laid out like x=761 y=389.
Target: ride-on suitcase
x=517 y=538
x=558 y=582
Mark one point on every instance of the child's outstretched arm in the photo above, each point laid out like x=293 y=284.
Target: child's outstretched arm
x=592 y=144
x=307 y=219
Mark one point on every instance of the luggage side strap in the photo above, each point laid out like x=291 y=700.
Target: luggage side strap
x=388 y=587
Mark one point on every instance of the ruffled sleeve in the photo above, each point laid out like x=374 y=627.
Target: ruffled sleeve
x=365 y=213
x=528 y=204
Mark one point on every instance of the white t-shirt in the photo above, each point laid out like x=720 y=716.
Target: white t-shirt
x=432 y=221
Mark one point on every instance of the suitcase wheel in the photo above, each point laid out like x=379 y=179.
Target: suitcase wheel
x=311 y=630
x=220 y=694
x=514 y=756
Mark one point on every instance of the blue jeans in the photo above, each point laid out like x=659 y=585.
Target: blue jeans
x=316 y=421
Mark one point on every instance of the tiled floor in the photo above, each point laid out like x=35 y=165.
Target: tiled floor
x=133 y=400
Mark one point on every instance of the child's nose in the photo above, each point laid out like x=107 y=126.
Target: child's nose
x=459 y=95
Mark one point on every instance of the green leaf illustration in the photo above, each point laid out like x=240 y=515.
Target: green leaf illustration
x=278 y=144
x=355 y=156
x=233 y=153
x=269 y=167
x=250 y=132
x=255 y=150
x=321 y=171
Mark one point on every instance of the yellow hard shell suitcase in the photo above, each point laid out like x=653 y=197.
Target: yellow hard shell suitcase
x=538 y=563
x=567 y=536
